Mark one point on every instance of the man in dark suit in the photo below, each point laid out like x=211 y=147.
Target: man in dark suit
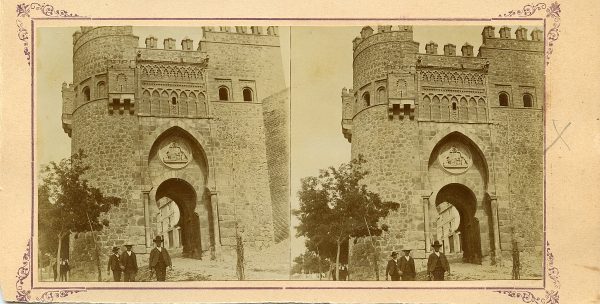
x=407 y=266
x=437 y=264
x=129 y=262
x=159 y=259
x=392 y=268
x=114 y=264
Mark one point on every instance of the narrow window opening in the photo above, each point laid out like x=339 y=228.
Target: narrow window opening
x=247 y=92
x=527 y=101
x=406 y=109
x=223 y=94
x=173 y=100
x=86 y=94
x=127 y=104
x=367 y=99
x=503 y=99
x=454 y=106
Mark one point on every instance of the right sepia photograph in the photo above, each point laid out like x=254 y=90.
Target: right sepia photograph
x=418 y=152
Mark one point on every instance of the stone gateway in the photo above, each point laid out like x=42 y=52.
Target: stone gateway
x=457 y=140
x=193 y=139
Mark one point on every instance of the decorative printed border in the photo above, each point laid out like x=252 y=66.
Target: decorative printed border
x=24 y=294
x=24 y=12
x=551 y=295
x=552 y=12
x=23 y=272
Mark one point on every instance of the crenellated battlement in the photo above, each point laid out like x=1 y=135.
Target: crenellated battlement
x=385 y=33
x=88 y=33
x=505 y=39
x=257 y=35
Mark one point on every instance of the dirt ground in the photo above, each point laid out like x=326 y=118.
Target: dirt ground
x=531 y=269
x=267 y=264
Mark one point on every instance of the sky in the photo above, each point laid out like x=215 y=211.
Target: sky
x=317 y=64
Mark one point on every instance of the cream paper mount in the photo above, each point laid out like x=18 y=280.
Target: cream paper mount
x=25 y=289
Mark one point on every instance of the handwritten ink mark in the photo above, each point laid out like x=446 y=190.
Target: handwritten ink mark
x=559 y=136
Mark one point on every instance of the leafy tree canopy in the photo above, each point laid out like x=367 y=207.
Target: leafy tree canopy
x=337 y=205
x=67 y=203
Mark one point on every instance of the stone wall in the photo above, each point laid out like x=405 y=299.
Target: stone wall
x=391 y=148
x=277 y=128
x=241 y=173
x=518 y=133
x=256 y=65
x=110 y=143
x=520 y=177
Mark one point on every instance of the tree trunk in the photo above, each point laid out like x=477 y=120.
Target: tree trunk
x=58 y=255
x=319 y=261
x=97 y=252
x=337 y=261
x=375 y=253
x=95 y=248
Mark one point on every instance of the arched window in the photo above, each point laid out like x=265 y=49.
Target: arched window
x=86 y=94
x=100 y=89
x=527 y=100
x=367 y=99
x=381 y=96
x=247 y=93
x=503 y=99
x=223 y=94
x=173 y=100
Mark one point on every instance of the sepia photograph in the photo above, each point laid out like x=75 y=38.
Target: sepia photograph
x=162 y=153
x=299 y=151
x=418 y=152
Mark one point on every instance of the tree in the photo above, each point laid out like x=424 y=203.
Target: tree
x=309 y=262
x=336 y=206
x=67 y=203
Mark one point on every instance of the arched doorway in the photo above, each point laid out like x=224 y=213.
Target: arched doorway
x=468 y=229
x=187 y=225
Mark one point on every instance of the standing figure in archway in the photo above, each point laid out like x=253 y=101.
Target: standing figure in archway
x=407 y=266
x=129 y=262
x=437 y=264
x=114 y=264
x=392 y=270
x=159 y=260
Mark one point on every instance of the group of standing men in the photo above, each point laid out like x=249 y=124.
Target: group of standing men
x=126 y=262
x=404 y=267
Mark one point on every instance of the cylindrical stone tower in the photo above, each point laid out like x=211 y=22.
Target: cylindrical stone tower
x=383 y=129
x=104 y=128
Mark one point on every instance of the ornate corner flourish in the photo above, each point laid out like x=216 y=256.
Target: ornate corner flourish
x=24 y=12
x=552 y=12
x=551 y=295
x=24 y=293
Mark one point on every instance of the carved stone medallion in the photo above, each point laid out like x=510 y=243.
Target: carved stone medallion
x=455 y=158
x=175 y=153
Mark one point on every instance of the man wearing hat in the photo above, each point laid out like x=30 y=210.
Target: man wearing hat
x=407 y=266
x=159 y=259
x=392 y=268
x=114 y=264
x=129 y=262
x=437 y=263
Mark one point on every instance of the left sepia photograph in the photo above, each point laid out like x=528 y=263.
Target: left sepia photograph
x=162 y=153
